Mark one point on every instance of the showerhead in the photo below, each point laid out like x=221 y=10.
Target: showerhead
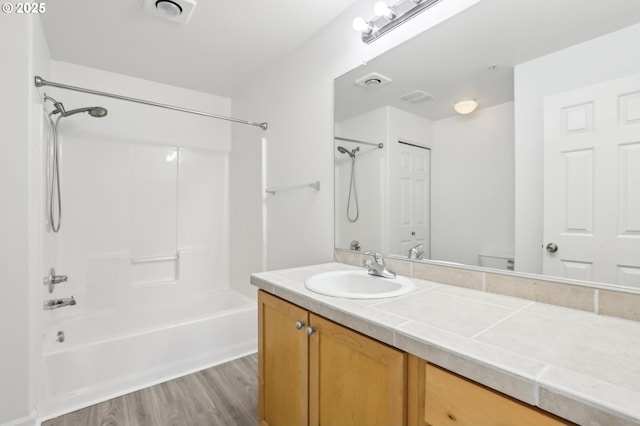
x=98 y=112
x=352 y=153
x=93 y=111
x=59 y=109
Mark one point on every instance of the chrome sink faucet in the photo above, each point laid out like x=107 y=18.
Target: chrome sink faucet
x=377 y=267
x=416 y=252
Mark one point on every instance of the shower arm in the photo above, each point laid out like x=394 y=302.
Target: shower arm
x=40 y=82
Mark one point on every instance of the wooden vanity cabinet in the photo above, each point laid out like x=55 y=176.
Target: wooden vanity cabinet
x=440 y=398
x=316 y=372
x=353 y=379
x=312 y=371
x=283 y=359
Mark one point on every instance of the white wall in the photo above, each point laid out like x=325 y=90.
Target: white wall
x=23 y=52
x=598 y=60
x=129 y=121
x=296 y=97
x=472 y=185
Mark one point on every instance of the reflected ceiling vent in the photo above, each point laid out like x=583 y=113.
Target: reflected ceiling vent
x=373 y=81
x=179 y=11
x=417 y=97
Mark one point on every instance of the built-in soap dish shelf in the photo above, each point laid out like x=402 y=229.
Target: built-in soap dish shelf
x=154 y=270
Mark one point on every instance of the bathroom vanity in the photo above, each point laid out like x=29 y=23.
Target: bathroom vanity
x=311 y=368
x=438 y=355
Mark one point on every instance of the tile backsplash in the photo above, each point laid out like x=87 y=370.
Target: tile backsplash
x=617 y=303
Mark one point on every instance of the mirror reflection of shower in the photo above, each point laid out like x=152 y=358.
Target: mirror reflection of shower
x=353 y=193
x=53 y=154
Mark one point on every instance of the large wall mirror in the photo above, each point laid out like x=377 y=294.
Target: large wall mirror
x=542 y=177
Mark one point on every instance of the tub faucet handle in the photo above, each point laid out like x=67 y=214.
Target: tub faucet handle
x=54 y=279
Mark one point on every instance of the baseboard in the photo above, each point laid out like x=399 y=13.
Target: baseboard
x=31 y=420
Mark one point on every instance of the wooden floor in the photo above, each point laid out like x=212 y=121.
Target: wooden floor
x=223 y=395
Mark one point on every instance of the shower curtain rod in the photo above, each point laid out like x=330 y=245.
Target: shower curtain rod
x=379 y=145
x=39 y=82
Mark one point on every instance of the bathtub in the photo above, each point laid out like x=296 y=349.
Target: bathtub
x=112 y=353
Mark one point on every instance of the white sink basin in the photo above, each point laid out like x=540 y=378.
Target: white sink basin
x=357 y=285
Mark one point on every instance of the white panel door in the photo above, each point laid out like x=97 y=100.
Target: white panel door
x=410 y=196
x=592 y=183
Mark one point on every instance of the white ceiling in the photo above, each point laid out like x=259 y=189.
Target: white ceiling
x=224 y=43
x=451 y=60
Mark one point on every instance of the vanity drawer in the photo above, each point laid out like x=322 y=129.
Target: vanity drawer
x=438 y=397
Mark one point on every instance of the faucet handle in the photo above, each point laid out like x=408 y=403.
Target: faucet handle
x=54 y=279
x=376 y=256
x=416 y=251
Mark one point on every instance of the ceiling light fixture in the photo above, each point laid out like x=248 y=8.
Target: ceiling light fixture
x=178 y=11
x=389 y=17
x=373 y=80
x=169 y=8
x=465 y=106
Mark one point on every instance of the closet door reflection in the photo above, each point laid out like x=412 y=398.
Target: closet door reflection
x=410 y=197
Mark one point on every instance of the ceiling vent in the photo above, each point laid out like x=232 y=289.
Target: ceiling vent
x=417 y=97
x=373 y=81
x=179 y=11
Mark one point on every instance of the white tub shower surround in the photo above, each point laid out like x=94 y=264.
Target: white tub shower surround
x=145 y=243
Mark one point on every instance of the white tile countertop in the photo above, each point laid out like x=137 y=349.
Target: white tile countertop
x=577 y=365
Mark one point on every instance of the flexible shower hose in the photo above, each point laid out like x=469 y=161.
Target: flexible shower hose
x=54 y=173
x=352 y=187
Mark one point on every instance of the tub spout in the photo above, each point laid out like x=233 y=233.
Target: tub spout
x=58 y=303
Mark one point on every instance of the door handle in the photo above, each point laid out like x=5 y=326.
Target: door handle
x=552 y=247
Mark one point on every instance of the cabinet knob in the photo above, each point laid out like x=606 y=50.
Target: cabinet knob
x=310 y=331
x=299 y=324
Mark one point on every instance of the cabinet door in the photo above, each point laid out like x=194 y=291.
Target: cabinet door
x=442 y=398
x=283 y=363
x=354 y=380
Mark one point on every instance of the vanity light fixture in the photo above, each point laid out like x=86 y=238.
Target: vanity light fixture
x=389 y=17
x=362 y=26
x=381 y=9
x=465 y=106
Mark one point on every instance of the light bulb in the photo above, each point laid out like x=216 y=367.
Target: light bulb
x=381 y=9
x=361 y=25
